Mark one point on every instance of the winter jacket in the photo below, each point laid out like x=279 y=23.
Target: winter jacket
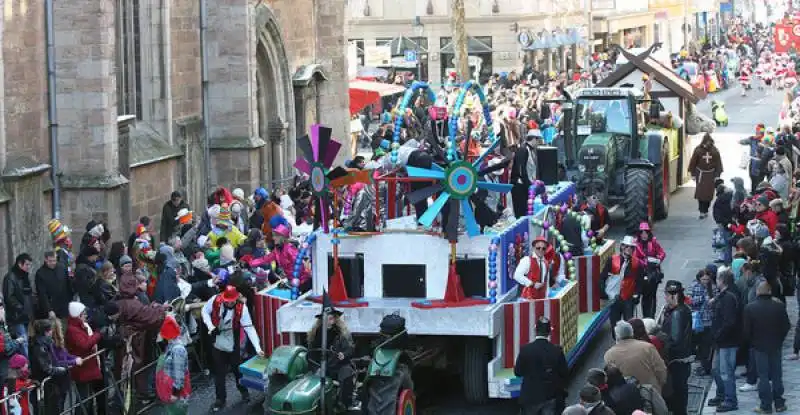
x=81 y=343
x=167 y=284
x=134 y=316
x=651 y=248
x=769 y=218
x=677 y=325
x=169 y=225
x=42 y=359
x=725 y=325
x=766 y=324
x=18 y=296
x=624 y=399
x=755 y=155
x=53 y=290
x=723 y=206
x=82 y=284
x=640 y=360
x=8 y=348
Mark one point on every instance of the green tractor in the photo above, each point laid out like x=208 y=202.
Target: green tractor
x=383 y=383
x=610 y=151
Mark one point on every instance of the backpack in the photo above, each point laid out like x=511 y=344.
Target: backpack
x=653 y=402
x=165 y=383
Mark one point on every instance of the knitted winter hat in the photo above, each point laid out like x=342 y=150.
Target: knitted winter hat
x=124 y=260
x=58 y=231
x=201 y=264
x=170 y=328
x=763 y=199
x=76 y=308
x=238 y=193
x=140 y=230
x=17 y=361
x=224 y=213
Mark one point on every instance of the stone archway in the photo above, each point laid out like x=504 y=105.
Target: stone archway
x=275 y=98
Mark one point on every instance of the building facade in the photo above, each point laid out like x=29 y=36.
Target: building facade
x=422 y=27
x=142 y=98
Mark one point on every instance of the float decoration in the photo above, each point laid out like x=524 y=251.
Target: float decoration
x=337 y=292
x=401 y=110
x=319 y=153
x=298 y=264
x=492 y=285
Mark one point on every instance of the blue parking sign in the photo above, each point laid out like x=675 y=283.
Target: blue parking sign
x=411 y=56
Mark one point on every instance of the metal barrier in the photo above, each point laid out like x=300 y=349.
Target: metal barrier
x=115 y=384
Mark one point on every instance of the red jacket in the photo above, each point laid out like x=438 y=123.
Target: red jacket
x=769 y=218
x=628 y=287
x=651 y=248
x=80 y=343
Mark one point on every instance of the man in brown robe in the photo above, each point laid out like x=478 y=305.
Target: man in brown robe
x=705 y=167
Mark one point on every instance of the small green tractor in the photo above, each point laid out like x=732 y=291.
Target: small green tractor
x=383 y=383
x=612 y=152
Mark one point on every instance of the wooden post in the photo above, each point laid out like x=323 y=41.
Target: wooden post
x=459 y=41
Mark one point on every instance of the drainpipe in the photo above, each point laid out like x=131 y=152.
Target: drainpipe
x=52 y=108
x=204 y=77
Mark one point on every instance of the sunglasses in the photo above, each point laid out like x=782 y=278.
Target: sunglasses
x=540 y=248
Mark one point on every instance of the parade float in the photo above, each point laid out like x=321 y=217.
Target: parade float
x=454 y=287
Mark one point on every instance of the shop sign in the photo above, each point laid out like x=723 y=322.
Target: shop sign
x=525 y=38
x=377 y=55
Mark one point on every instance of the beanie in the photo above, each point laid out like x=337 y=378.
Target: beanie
x=763 y=199
x=18 y=361
x=124 y=260
x=76 y=308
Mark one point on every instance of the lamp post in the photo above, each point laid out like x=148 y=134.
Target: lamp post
x=419 y=29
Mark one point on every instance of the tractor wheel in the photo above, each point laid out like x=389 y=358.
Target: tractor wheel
x=661 y=186
x=276 y=383
x=638 y=198
x=476 y=376
x=386 y=395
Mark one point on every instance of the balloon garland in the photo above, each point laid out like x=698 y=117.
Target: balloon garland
x=493 y=270
x=298 y=262
x=562 y=244
x=398 y=119
x=454 y=116
x=538 y=188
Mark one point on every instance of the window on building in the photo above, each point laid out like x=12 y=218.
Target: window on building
x=129 y=68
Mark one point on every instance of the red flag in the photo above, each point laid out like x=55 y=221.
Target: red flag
x=454 y=293
x=336 y=288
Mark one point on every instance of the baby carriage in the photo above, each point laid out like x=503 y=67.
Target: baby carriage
x=719 y=113
x=720 y=242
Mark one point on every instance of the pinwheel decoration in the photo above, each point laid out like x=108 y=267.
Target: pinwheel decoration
x=457 y=182
x=318 y=153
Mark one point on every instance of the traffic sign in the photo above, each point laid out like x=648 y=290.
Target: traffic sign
x=411 y=55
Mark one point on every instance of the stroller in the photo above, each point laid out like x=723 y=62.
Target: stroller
x=719 y=113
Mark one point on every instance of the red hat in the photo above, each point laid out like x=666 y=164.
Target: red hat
x=230 y=294
x=170 y=329
x=540 y=238
x=17 y=361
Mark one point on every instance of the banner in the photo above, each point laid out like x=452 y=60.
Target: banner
x=787 y=37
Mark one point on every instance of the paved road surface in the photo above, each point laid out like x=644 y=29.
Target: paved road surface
x=685 y=238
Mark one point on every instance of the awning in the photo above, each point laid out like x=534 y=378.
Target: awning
x=401 y=44
x=473 y=46
x=363 y=93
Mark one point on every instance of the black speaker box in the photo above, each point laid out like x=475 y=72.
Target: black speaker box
x=547 y=164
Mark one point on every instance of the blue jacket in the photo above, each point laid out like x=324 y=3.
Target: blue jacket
x=755 y=155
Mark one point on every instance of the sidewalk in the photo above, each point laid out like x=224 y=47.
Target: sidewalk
x=791 y=377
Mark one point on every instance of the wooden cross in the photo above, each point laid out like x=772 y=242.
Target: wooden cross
x=707 y=157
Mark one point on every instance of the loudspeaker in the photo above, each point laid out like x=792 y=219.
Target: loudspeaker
x=547 y=164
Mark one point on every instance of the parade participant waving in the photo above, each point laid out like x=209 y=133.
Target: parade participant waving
x=649 y=252
x=539 y=271
x=619 y=282
x=225 y=316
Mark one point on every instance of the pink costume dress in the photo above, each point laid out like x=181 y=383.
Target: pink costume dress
x=284 y=257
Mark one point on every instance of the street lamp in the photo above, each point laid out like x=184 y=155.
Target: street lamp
x=419 y=29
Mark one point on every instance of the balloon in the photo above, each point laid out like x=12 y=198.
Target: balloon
x=568 y=255
x=545 y=225
x=295 y=282
x=492 y=284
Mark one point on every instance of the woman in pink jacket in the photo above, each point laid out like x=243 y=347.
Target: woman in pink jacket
x=649 y=251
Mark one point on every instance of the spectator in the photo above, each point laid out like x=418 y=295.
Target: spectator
x=766 y=324
x=174 y=364
x=543 y=369
x=8 y=346
x=623 y=397
x=43 y=362
x=677 y=325
x=703 y=291
x=61 y=357
x=167 y=285
x=725 y=339
x=18 y=297
x=53 y=289
x=144 y=223
x=82 y=341
x=592 y=400
x=169 y=215
x=636 y=358
x=86 y=276
x=118 y=249
x=576 y=409
x=19 y=382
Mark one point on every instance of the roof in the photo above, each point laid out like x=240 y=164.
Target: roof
x=400 y=44
x=381 y=88
x=473 y=46
x=662 y=74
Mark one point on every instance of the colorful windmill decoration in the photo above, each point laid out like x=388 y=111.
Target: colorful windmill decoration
x=457 y=182
x=318 y=153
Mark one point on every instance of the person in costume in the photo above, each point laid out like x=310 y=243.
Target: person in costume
x=225 y=316
x=340 y=350
x=600 y=218
x=62 y=244
x=173 y=384
x=268 y=209
x=705 y=166
x=224 y=227
x=756 y=149
x=523 y=171
x=541 y=270
x=284 y=254
x=619 y=282
x=649 y=251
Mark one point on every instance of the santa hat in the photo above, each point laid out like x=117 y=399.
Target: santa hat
x=75 y=309
x=58 y=231
x=170 y=329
